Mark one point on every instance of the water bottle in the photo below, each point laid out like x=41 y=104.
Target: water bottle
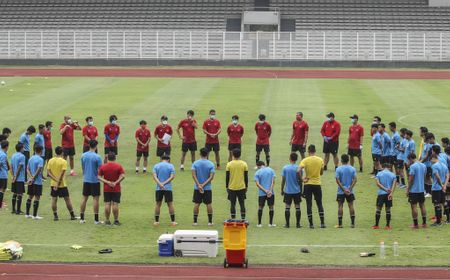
x=396 y=252
x=382 y=250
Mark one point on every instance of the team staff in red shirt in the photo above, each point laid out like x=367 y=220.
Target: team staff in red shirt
x=299 y=138
x=111 y=174
x=161 y=130
x=112 y=133
x=143 y=137
x=263 y=131
x=90 y=132
x=331 y=129
x=48 y=140
x=355 y=140
x=67 y=141
x=212 y=129
x=188 y=125
x=235 y=132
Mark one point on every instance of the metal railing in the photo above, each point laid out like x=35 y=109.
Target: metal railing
x=204 y=45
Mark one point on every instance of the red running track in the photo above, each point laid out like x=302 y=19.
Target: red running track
x=224 y=73
x=38 y=271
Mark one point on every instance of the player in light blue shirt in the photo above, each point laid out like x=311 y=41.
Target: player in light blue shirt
x=91 y=163
x=440 y=180
x=386 y=148
x=415 y=190
x=377 y=146
x=400 y=159
x=25 y=141
x=291 y=189
x=18 y=167
x=4 y=168
x=203 y=172
x=163 y=174
x=426 y=159
x=34 y=169
x=39 y=138
x=386 y=184
x=265 y=181
x=346 y=180
x=410 y=148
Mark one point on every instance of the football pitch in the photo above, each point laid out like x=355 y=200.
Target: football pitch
x=410 y=103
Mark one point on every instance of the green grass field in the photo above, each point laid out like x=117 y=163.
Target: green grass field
x=412 y=103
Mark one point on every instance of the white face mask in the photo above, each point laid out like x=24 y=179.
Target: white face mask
x=235 y=122
x=212 y=117
x=69 y=121
x=91 y=123
x=114 y=122
x=164 y=122
x=353 y=120
x=329 y=119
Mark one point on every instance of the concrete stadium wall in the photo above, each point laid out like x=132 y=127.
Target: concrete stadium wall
x=219 y=63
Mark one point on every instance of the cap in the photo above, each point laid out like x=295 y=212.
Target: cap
x=354 y=117
x=330 y=115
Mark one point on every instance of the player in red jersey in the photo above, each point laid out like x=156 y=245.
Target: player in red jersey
x=89 y=133
x=48 y=141
x=299 y=137
x=212 y=129
x=111 y=174
x=235 y=132
x=112 y=133
x=188 y=125
x=67 y=141
x=331 y=129
x=355 y=141
x=163 y=147
x=143 y=137
x=263 y=131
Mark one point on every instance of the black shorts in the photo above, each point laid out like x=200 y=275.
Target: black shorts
x=415 y=198
x=354 y=152
x=447 y=190
x=142 y=153
x=48 y=153
x=18 y=187
x=310 y=190
x=384 y=200
x=438 y=197
x=234 y=146
x=87 y=149
x=27 y=155
x=189 y=147
x=400 y=164
x=60 y=192
x=68 y=152
x=91 y=189
x=385 y=159
x=212 y=147
x=292 y=197
x=341 y=198
x=262 y=200
x=330 y=147
x=260 y=148
x=34 y=190
x=393 y=160
x=205 y=197
x=376 y=158
x=429 y=172
x=237 y=194
x=112 y=197
x=296 y=147
x=167 y=195
x=163 y=151
x=111 y=149
x=3 y=184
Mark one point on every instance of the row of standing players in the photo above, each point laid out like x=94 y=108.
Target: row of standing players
x=300 y=132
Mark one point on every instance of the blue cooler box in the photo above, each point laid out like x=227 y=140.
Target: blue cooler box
x=165 y=245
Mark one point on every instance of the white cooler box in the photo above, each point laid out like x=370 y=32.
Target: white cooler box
x=196 y=243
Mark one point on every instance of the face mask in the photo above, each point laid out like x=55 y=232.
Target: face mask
x=261 y=122
x=329 y=119
x=212 y=117
x=91 y=123
x=69 y=121
x=298 y=118
x=164 y=122
x=114 y=122
x=353 y=120
x=235 y=122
